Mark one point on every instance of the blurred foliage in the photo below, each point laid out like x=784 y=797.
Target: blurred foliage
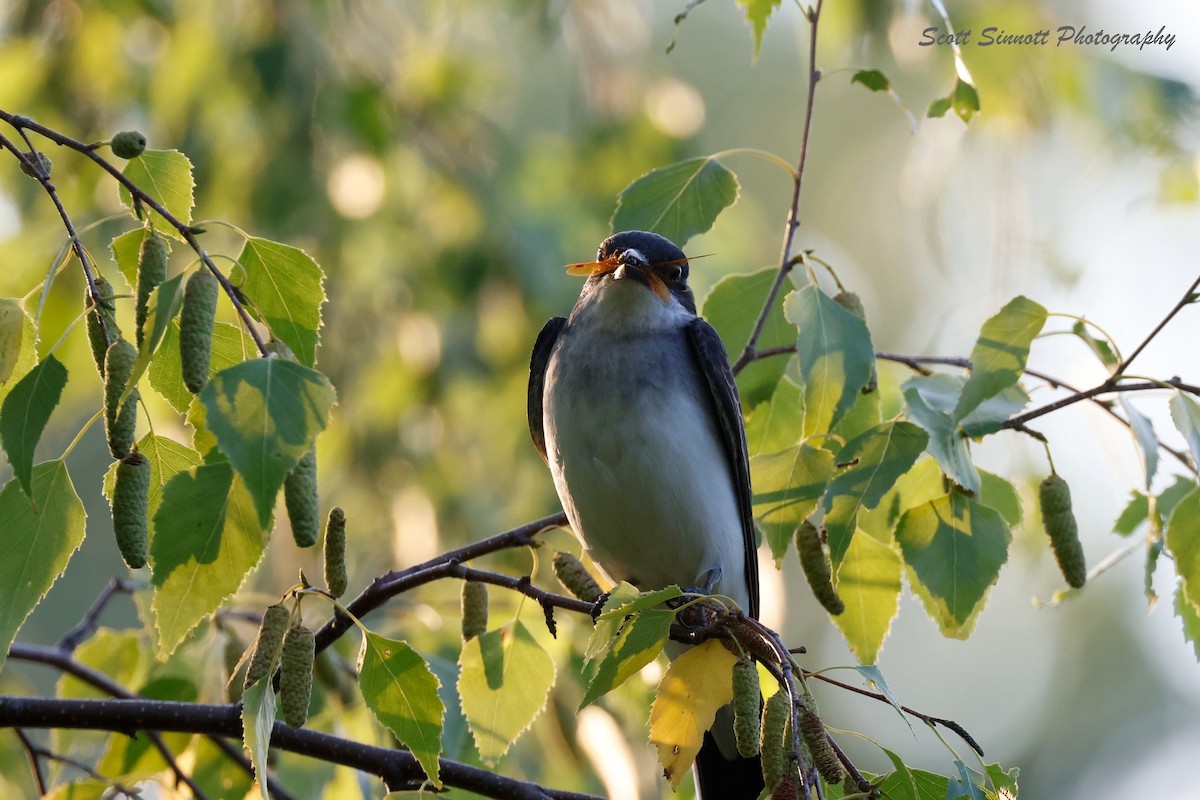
x=442 y=161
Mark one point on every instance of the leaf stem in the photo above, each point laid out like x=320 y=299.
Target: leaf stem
x=766 y=155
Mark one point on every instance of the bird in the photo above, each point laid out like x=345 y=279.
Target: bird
x=634 y=407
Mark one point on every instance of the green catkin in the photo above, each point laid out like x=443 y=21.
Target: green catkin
x=853 y=303
x=300 y=498
x=119 y=420
x=575 y=578
x=474 y=609
x=746 y=699
x=334 y=553
x=270 y=637
x=196 y=328
x=152 y=270
x=128 y=144
x=786 y=789
x=101 y=322
x=131 y=492
x=816 y=568
x=812 y=731
x=771 y=744
x=1054 y=497
x=296 y=675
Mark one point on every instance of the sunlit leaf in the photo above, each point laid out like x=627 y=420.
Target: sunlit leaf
x=41 y=533
x=1134 y=514
x=1101 y=348
x=206 y=540
x=732 y=307
x=678 y=201
x=1183 y=541
x=609 y=625
x=503 y=685
x=757 y=14
x=834 y=354
x=875 y=460
x=125 y=249
x=619 y=609
x=25 y=412
x=695 y=685
x=1185 y=412
x=163 y=306
x=166 y=176
x=266 y=414
x=230 y=345
x=1145 y=437
x=999 y=356
x=965 y=100
x=873 y=79
x=954 y=548
x=1190 y=617
x=285 y=285
x=926 y=405
x=868 y=581
x=787 y=486
x=167 y=459
x=776 y=424
x=12 y=334
x=996 y=492
x=401 y=691
x=638 y=642
x=258 y=720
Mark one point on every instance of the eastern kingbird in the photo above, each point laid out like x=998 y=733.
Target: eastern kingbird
x=633 y=406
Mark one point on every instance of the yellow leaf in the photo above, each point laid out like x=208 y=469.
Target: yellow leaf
x=695 y=686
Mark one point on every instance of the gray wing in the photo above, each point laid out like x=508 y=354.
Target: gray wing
x=538 y=362
x=714 y=364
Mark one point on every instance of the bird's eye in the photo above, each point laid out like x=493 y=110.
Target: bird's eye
x=675 y=273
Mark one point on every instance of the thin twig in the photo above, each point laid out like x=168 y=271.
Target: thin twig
x=87 y=625
x=786 y=262
x=1183 y=301
x=35 y=763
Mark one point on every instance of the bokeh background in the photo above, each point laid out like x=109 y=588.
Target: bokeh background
x=443 y=160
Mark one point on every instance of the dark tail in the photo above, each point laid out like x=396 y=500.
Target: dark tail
x=719 y=778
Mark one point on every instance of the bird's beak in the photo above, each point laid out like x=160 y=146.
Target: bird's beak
x=633 y=264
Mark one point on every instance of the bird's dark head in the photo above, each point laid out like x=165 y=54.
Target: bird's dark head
x=649 y=259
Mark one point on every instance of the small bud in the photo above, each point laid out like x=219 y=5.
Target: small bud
x=128 y=144
x=1054 y=497
x=575 y=578
x=816 y=568
x=300 y=498
x=131 y=491
x=474 y=609
x=270 y=638
x=296 y=675
x=747 y=698
x=335 y=552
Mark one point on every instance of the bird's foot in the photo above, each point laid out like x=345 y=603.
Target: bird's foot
x=700 y=614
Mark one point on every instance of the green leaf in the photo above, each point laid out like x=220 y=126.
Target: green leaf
x=834 y=354
x=757 y=14
x=1145 y=437
x=285 y=286
x=1185 y=412
x=1102 y=349
x=868 y=581
x=643 y=601
x=266 y=414
x=939 y=107
x=167 y=459
x=875 y=680
x=607 y=627
x=166 y=176
x=1183 y=540
x=1003 y=780
x=997 y=493
x=926 y=404
x=639 y=640
x=787 y=486
x=954 y=548
x=929 y=786
x=732 y=307
x=503 y=684
x=1190 y=618
x=678 y=201
x=864 y=414
x=965 y=100
x=41 y=533
x=990 y=415
x=230 y=345
x=875 y=461
x=163 y=307
x=905 y=787
x=12 y=335
x=402 y=692
x=125 y=249
x=873 y=79
x=25 y=412
x=999 y=356
x=1134 y=514
x=778 y=423
x=207 y=538
x=258 y=720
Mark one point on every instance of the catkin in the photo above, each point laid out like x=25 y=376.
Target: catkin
x=300 y=498
x=746 y=700
x=812 y=730
x=774 y=751
x=196 y=328
x=474 y=609
x=131 y=491
x=334 y=552
x=152 y=270
x=296 y=675
x=270 y=637
x=1054 y=497
x=816 y=568
x=119 y=420
x=101 y=322
x=575 y=578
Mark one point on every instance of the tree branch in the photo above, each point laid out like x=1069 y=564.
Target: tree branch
x=399 y=769
x=1188 y=297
